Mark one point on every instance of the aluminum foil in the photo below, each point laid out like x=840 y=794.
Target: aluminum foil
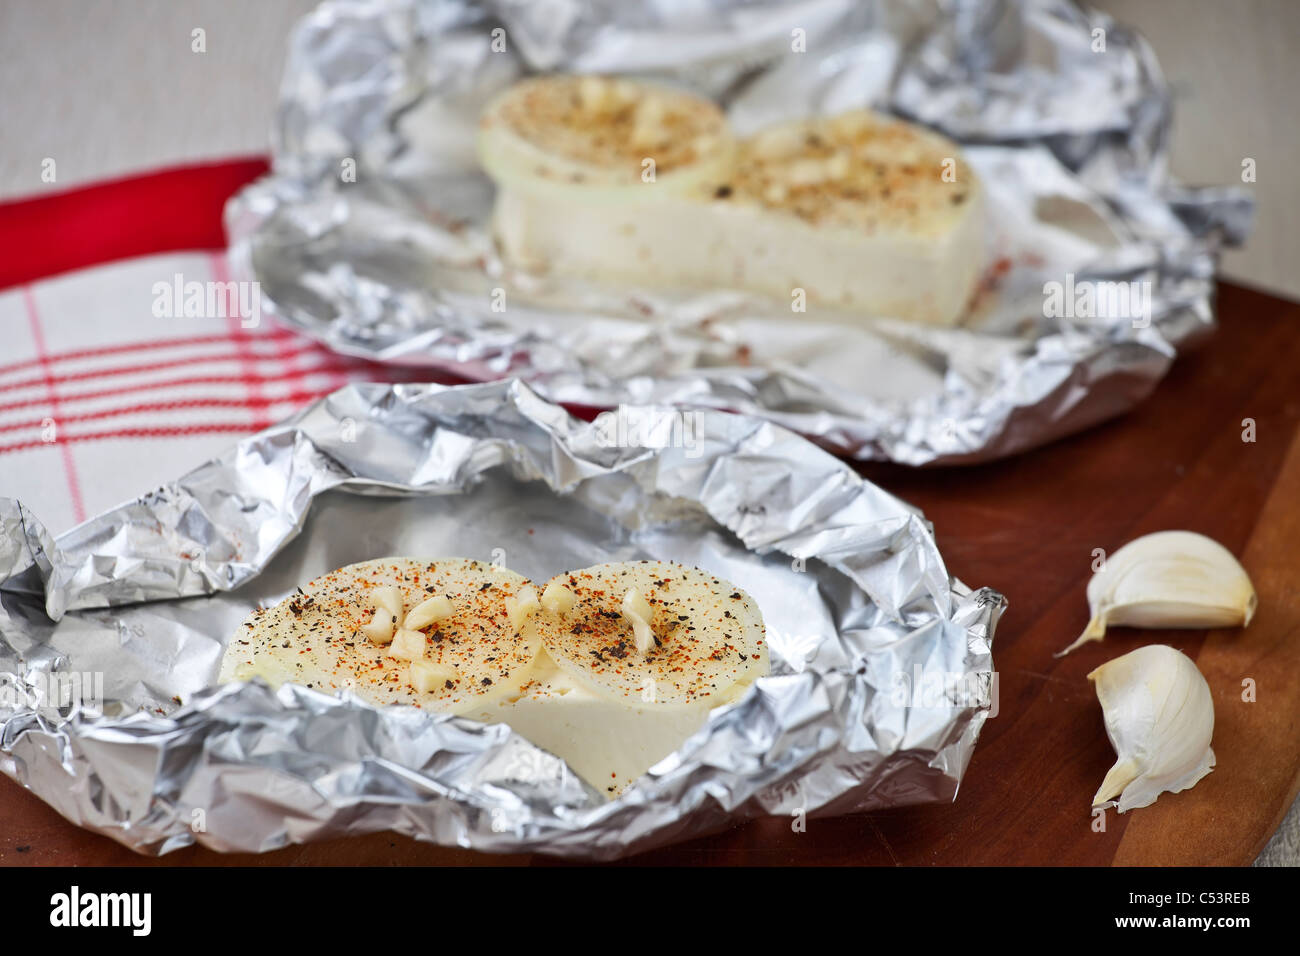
x=370 y=233
x=881 y=668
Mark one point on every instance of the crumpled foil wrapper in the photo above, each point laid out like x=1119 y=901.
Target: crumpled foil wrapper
x=140 y=602
x=370 y=235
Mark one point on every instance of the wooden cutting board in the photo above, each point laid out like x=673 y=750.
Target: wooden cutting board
x=1028 y=527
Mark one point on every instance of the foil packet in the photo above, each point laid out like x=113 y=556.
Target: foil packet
x=371 y=233
x=111 y=635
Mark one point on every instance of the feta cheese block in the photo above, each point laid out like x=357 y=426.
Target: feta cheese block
x=857 y=213
x=607 y=138
x=611 y=710
x=707 y=635
x=607 y=742
x=316 y=636
x=610 y=668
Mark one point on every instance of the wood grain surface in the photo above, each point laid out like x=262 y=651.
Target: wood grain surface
x=1028 y=527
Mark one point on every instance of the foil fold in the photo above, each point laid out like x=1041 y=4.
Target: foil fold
x=370 y=235
x=881 y=678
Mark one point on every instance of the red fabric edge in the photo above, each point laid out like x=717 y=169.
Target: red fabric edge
x=175 y=209
x=178 y=209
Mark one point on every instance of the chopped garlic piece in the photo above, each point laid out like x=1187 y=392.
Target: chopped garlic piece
x=648 y=127
x=381 y=627
x=429 y=612
x=637 y=611
x=776 y=193
x=594 y=93
x=407 y=644
x=839 y=165
x=520 y=606
x=778 y=142
x=558 y=599
x=427 y=677
x=388 y=597
x=807 y=172
x=853 y=123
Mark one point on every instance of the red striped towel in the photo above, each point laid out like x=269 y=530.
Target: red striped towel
x=102 y=400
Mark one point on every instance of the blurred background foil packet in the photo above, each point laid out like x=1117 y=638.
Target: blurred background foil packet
x=371 y=236
x=881 y=676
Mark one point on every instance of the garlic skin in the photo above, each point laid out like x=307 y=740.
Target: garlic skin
x=1169 y=579
x=1159 y=717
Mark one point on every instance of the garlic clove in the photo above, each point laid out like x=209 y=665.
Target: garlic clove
x=1118 y=777
x=637 y=612
x=1168 y=579
x=521 y=606
x=428 y=612
x=388 y=597
x=381 y=627
x=558 y=599
x=407 y=644
x=1159 y=716
x=428 y=676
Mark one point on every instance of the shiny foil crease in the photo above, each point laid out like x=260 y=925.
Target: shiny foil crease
x=371 y=236
x=147 y=595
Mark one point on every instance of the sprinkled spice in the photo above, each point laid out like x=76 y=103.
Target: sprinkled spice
x=315 y=631
x=691 y=610
x=559 y=115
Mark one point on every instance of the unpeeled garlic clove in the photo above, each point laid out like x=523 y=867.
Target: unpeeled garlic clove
x=1159 y=717
x=1168 y=579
